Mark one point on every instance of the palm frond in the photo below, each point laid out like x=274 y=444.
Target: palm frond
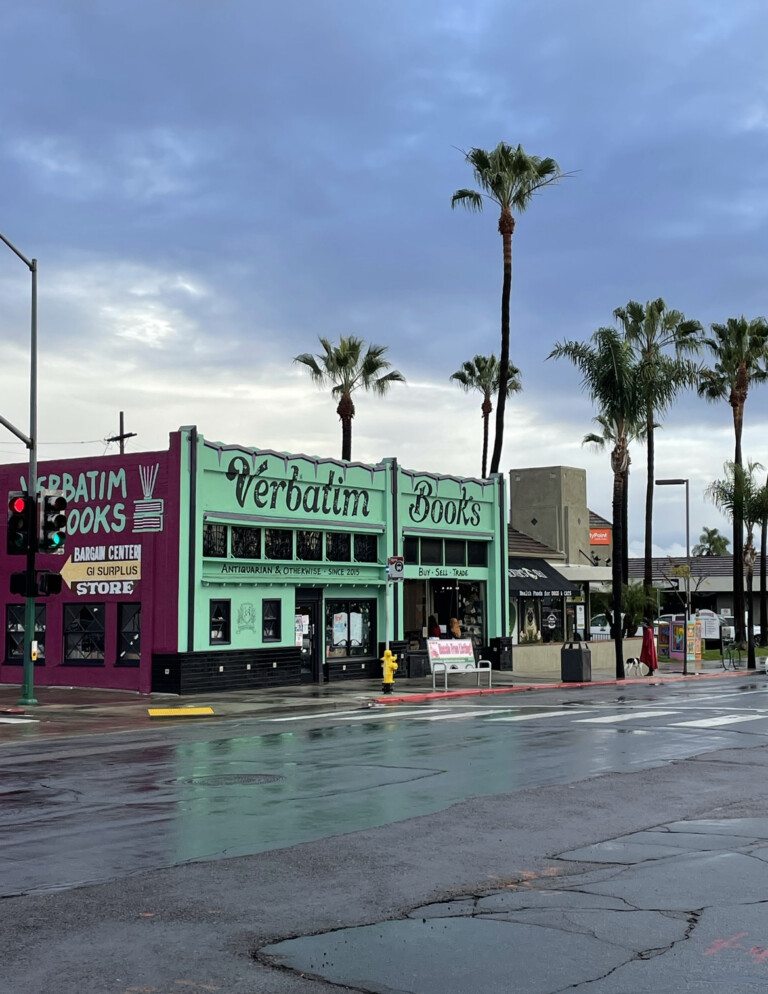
x=470 y=199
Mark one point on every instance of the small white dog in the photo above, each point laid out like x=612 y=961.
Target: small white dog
x=634 y=667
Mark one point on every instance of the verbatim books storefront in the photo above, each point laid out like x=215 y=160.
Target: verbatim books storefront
x=213 y=567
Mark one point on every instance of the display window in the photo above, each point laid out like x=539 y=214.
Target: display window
x=350 y=628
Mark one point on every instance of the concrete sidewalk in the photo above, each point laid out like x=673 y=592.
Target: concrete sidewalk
x=68 y=711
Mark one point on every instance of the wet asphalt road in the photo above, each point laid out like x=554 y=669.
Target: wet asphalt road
x=329 y=802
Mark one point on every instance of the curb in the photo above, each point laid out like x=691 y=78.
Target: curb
x=479 y=691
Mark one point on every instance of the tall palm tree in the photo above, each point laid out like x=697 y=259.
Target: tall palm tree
x=602 y=440
x=711 y=543
x=510 y=178
x=346 y=368
x=483 y=373
x=739 y=492
x=763 y=579
x=610 y=375
x=652 y=330
x=739 y=349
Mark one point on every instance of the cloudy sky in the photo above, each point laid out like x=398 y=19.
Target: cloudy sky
x=208 y=187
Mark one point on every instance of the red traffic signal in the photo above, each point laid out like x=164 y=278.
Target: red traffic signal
x=21 y=509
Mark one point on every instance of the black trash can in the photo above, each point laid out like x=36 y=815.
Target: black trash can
x=502 y=651
x=576 y=663
x=418 y=665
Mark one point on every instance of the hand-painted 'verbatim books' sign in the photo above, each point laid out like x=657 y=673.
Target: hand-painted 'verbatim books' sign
x=266 y=484
x=447 y=504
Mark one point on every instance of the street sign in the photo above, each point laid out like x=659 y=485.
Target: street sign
x=395 y=568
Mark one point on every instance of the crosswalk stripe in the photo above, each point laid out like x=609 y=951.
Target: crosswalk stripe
x=455 y=714
x=389 y=713
x=613 y=718
x=531 y=717
x=16 y=721
x=732 y=719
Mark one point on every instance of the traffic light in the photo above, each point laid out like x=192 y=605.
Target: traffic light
x=21 y=509
x=48 y=582
x=52 y=526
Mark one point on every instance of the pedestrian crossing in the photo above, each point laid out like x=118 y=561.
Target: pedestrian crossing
x=20 y=720
x=601 y=716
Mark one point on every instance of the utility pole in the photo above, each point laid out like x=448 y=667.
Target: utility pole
x=122 y=435
x=27 y=690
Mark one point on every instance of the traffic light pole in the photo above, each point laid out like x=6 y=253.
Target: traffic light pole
x=28 y=685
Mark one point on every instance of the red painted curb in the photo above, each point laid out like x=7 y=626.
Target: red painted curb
x=478 y=691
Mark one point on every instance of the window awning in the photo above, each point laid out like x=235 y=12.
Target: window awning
x=536 y=578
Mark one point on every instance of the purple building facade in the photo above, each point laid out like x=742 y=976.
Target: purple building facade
x=119 y=599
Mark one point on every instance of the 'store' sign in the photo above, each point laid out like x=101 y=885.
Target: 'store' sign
x=103 y=569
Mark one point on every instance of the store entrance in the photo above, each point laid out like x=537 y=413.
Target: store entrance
x=309 y=634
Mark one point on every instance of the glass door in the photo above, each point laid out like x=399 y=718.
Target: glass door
x=309 y=636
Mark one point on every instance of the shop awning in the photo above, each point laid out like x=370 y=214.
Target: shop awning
x=536 y=578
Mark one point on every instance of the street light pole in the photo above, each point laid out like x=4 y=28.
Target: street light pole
x=28 y=686
x=674 y=483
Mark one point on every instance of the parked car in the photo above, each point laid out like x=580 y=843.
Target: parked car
x=599 y=627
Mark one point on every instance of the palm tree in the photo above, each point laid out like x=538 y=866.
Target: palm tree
x=650 y=330
x=610 y=376
x=739 y=492
x=711 y=543
x=601 y=441
x=482 y=373
x=346 y=368
x=740 y=352
x=509 y=178
x=763 y=577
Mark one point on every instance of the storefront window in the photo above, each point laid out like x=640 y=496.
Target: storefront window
x=278 y=543
x=366 y=549
x=460 y=599
x=551 y=619
x=128 y=634
x=246 y=543
x=411 y=551
x=84 y=634
x=214 y=540
x=338 y=547
x=270 y=621
x=529 y=620
x=432 y=551
x=477 y=553
x=14 y=632
x=309 y=545
x=349 y=627
x=455 y=552
x=220 y=622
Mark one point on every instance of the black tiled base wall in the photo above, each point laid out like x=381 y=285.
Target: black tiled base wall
x=208 y=672
x=353 y=669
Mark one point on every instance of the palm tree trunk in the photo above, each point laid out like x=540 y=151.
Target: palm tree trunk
x=617 y=567
x=751 y=663
x=625 y=530
x=763 y=588
x=506 y=227
x=738 y=534
x=486 y=409
x=346 y=411
x=648 y=550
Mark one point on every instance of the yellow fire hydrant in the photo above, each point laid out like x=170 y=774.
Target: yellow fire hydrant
x=389 y=666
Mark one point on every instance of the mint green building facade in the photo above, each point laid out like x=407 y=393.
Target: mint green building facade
x=283 y=565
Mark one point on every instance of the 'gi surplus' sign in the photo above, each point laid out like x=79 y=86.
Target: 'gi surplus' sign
x=103 y=569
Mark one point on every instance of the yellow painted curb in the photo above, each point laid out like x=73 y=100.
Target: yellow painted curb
x=179 y=712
